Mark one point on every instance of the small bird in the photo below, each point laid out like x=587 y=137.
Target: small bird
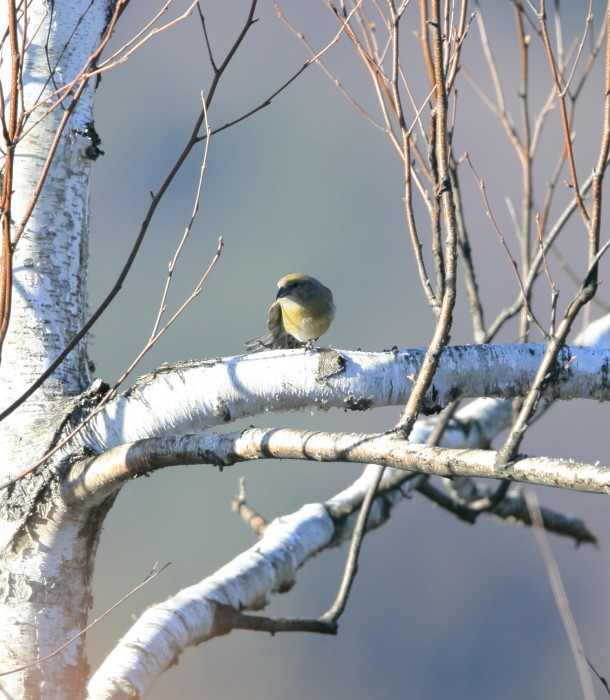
x=302 y=312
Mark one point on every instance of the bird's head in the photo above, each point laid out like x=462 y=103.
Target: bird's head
x=302 y=289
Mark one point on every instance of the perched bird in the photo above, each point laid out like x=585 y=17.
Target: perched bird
x=302 y=312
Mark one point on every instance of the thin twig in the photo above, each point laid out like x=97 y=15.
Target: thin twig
x=386 y=129
x=336 y=609
x=187 y=230
x=553 y=288
x=10 y=135
x=565 y=122
x=251 y=517
x=559 y=593
x=587 y=289
x=524 y=293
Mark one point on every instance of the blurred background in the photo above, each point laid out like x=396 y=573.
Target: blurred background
x=439 y=608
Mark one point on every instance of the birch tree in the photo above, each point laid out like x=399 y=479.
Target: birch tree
x=71 y=441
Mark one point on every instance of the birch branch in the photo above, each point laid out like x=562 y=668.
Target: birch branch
x=101 y=476
x=190 y=397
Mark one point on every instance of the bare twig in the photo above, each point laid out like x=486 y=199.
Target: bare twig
x=585 y=293
x=561 y=599
x=513 y=262
x=560 y=92
x=332 y=615
x=440 y=337
x=553 y=288
x=252 y=518
x=10 y=132
x=187 y=230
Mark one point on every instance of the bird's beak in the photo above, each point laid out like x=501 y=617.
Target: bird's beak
x=282 y=292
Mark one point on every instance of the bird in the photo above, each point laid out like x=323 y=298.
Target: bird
x=302 y=312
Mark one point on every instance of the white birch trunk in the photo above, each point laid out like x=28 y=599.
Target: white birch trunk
x=45 y=567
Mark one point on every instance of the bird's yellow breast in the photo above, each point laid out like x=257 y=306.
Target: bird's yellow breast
x=306 y=322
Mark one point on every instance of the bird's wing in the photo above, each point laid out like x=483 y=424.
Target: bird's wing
x=274 y=320
x=276 y=337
